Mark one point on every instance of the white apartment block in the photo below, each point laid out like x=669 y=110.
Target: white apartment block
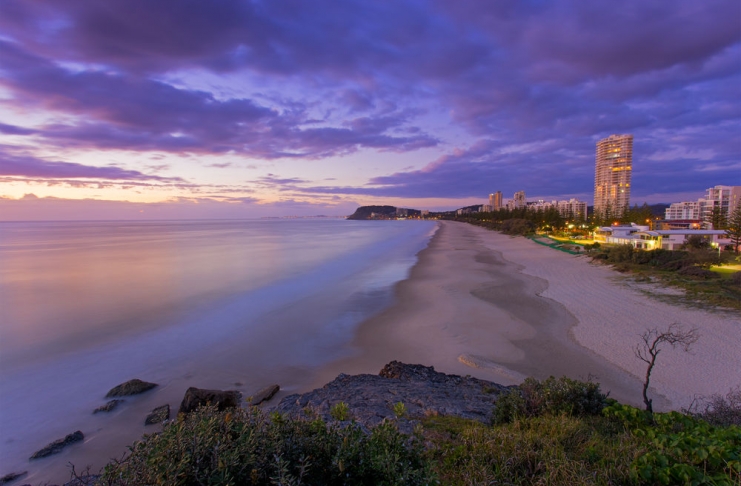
x=573 y=209
x=691 y=210
x=724 y=197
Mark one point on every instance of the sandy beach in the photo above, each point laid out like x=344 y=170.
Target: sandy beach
x=476 y=303
x=502 y=308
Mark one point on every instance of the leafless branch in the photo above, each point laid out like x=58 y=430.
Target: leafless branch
x=650 y=347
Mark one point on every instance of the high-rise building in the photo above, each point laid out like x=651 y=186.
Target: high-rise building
x=519 y=200
x=613 y=167
x=495 y=200
x=724 y=198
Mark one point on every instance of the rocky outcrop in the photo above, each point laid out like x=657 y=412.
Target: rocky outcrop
x=264 y=395
x=366 y=212
x=57 y=446
x=197 y=397
x=109 y=406
x=131 y=387
x=158 y=415
x=422 y=391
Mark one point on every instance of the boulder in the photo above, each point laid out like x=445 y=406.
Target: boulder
x=108 y=407
x=197 y=397
x=421 y=390
x=158 y=415
x=131 y=387
x=57 y=446
x=264 y=395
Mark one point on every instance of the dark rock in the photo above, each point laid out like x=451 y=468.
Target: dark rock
x=264 y=395
x=10 y=477
x=131 y=387
x=158 y=415
x=422 y=390
x=197 y=397
x=108 y=407
x=57 y=446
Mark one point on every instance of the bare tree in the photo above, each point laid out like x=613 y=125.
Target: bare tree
x=649 y=349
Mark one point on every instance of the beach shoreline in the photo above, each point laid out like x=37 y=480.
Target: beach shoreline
x=501 y=308
x=476 y=302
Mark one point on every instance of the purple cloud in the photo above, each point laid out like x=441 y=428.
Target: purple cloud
x=120 y=111
x=15 y=130
x=535 y=83
x=25 y=166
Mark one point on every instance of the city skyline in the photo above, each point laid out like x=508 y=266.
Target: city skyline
x=159 y=110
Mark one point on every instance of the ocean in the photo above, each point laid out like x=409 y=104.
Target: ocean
x=239 y=305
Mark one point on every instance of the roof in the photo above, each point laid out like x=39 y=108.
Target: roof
x=690 y=232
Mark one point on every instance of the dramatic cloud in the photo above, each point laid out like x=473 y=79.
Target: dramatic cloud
x=523 y=89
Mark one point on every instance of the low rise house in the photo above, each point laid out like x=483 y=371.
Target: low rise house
x=618 y=234
x=674 y=239
x=642 y=238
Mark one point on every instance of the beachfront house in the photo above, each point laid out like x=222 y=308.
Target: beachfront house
x=674 y=239
x=641 y=237
x=618 y=234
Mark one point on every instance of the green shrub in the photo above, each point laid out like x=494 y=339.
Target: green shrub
x=340 y=411
x=551 y=396
x=697 y=272
x=209 y=447
x=680 y=449
x=548 y=450
x=517 y=227
x=620 y=254
x=400 y=409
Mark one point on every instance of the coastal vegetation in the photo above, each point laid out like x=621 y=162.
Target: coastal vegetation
x=690 y=269
x=556 y=431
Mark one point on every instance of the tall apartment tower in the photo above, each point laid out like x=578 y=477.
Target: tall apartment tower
x=613 y=167
x=495 y=200
x=520 y=201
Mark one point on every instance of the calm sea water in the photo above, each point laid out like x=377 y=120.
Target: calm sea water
x=87 y=305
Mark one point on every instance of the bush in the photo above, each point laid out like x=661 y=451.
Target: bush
x=246 y=447
x=517 y=227
x=704 y=258
x=548 y=450
x=736 y=278
x=698 y=272
x=552 y=396
x=680 y=449
x=620 y=254
x=674 y=265
x=718 y=409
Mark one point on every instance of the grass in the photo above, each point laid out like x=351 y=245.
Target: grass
x=704 y=294
x=726 y=271
x=555 y=450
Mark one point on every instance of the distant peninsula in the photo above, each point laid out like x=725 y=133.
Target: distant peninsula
x=382 y=212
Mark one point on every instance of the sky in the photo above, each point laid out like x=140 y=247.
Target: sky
x=154 y=109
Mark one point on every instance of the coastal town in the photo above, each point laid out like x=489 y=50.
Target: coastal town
x=611 y=219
